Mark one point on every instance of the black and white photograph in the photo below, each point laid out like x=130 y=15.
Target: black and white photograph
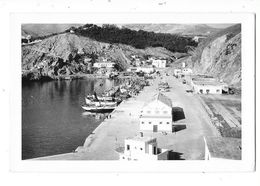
x=131 y=91
x=118 y=92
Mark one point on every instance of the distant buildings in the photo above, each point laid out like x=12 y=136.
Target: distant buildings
x=222 y=148
x=208 y=86
x=157 y=115
x=141 y=148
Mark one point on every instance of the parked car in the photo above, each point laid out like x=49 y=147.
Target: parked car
x=189 y=91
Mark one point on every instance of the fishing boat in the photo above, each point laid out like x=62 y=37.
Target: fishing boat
x=102 y=109
x=100 y=103
x=104 y=98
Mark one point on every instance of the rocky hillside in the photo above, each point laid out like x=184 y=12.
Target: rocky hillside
x=68 y=53
x=220 y=55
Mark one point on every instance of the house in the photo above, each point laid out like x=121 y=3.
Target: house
x=208 y=86
x=141 y=148
x=177 y=72
x=222 y=148
x=145 y=69
x=159 y=63
x=104 y=65
x=186 y=71
x=156 y=115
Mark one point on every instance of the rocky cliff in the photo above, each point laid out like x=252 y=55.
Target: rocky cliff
x=220 y=56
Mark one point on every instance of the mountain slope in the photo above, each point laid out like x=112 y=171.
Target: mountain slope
x=220 y=55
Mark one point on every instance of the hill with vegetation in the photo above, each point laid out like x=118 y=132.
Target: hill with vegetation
x=138 y=39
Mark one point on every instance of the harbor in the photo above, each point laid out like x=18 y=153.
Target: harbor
x=186 y=142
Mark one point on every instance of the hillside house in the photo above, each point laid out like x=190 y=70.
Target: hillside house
x=104 y=65
x=142 y=148
x=222 y=148
x=156 y=115
x=159 y=63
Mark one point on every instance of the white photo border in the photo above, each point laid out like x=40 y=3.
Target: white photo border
x=247 y=164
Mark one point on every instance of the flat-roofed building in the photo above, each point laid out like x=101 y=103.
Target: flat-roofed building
x=141 y=148
x=177 y=72
x=186 y=71
x=208 y=86
x=104 y=65
x=222 y=148
x=159 y=63
x=156 y=115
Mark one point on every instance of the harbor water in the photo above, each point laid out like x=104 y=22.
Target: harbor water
x=53 y=121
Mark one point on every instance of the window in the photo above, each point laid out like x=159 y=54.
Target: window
x=167 y=123
x=207 y=91
x=148 y=111
x=165 y=112
x=127 y=147
x=157 y=112
x=160 y=122
x=141 y=148
x=142 y=122
x=217 y=90
x=150 y=122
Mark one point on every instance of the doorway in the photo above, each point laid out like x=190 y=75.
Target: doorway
x=155 y=128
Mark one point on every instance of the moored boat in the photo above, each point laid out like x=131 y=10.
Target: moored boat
x=98 y=108
x=100 y=103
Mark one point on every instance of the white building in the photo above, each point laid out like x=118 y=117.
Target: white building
x=104 y=65
x=157 y=115
x=222 y=148
x=159 y=63
x=177 y=72
x=207 y=86
x=145 y=69
x=142 y=148
x=186 y=71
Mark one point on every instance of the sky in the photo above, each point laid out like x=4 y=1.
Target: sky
x=220 y=25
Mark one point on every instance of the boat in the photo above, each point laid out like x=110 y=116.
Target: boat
x=102 y=109
x=104 y=98
x=100 y=103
